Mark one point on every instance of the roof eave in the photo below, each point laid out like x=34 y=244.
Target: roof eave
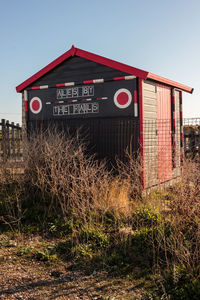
x=172 y=83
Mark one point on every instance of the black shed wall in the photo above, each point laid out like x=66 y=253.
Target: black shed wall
x=109 y=131
x=77 y=69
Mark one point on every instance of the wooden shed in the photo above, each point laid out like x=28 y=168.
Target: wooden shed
x=116 y=105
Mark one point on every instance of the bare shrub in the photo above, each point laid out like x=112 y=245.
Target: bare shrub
x=109 y=204
x=11 y=190
x=187 y=192
x=58 y=165
x=129 y=173
x=179 y=232
x=60 y=177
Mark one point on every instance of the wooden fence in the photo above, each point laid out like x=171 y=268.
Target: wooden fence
x=191 y=141
x=10 y=141
x=191 y=134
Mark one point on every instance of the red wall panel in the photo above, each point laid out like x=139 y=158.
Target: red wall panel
x=164 y=133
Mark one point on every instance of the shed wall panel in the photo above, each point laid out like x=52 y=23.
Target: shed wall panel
x=150 y=138
x=149 y=115
x=149 y=101
x=164 y=137
x=77 y=69
x=149 y=86
x=108 y=131
x=177 y=150
x=149 y=108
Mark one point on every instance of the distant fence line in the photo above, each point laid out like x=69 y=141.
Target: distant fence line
x=10 y=140
x=191 y=133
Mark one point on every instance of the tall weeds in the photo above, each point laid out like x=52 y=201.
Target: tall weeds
x=74 y=181
x=160 y=229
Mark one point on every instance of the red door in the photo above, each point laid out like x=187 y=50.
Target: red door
x=164 y=141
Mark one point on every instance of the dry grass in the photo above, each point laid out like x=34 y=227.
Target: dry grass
x=72 y=184
x=76 y=181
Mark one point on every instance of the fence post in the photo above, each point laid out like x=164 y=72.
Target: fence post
x=18 y=139
x=8 y=138
x=4 y=150
x=13 y=139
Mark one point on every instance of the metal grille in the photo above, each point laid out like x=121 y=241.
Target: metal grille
x=161 y=151
x=107 y=138
x=165 y=144
x=162 y=143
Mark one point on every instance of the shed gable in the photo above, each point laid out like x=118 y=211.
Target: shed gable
x=102 y=61
x=77 y=69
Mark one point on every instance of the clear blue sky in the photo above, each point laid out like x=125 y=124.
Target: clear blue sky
x=162 y=37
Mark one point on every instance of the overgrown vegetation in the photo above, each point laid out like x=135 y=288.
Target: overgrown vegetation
x=99 y=219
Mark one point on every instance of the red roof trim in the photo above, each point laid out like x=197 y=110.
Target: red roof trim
x=104 y=61
x=46 y=69
x=112 y=63
x=88 y=55
x=170 y=82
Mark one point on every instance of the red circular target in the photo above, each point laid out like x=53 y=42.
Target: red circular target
x=35 y=105
x=122 y=98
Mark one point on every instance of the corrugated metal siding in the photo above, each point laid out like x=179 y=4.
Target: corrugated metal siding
x=150 y=138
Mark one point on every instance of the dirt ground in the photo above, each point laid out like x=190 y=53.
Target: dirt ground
x=26 y=278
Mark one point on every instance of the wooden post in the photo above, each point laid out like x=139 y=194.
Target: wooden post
x=13 y=140
x=24 y=113
x=8 y=138
x=18 y=139
x=3 y=121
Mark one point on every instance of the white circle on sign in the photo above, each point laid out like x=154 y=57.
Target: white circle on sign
x=122 y=98
x=35 y=105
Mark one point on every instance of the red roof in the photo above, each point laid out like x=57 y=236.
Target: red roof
x=104 y=61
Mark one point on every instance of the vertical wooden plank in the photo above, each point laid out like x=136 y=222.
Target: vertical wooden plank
x=13 y=139
x=150 y=133
x=173 y=129
x=177 y=134
x=18 y=139
x=140 y=93
x=24 y=116
x=4 y=150
x=8 y=138
x=181 y=128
